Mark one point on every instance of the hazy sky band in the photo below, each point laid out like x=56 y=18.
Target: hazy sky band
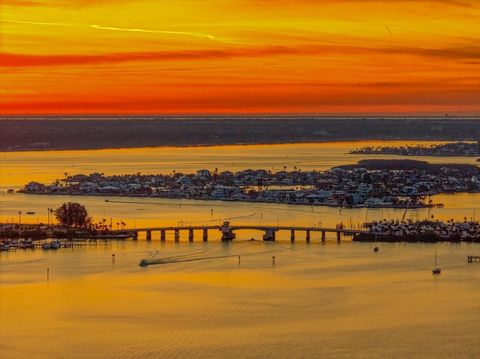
x=239 y=56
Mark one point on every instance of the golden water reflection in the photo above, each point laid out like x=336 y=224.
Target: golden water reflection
x=317 y=300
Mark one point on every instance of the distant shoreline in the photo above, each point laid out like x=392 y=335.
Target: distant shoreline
x=211 y=145
x=55 y=134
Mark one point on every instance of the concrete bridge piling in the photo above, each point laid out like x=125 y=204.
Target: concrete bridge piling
x=269 y=235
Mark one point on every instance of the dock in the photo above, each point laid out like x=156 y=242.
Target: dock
x=471 y=259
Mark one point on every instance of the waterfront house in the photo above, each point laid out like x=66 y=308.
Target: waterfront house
x=203 y=174
x=109 y=189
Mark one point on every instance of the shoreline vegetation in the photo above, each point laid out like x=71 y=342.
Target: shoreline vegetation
x=456 y=149
x=40 y=134
x=369 y=183
x=44 y=231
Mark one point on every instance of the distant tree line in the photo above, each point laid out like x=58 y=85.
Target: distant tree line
x=60 y=133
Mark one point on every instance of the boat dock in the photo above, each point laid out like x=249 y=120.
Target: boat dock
x=228 y=231
x=471 y=259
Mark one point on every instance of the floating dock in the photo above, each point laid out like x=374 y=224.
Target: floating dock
x=471 y=259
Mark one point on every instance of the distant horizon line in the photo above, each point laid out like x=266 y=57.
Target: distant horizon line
x=245 y=116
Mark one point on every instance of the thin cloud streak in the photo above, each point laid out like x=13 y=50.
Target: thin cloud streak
x=31 y=60
x=60 y=3
x=24 y=60
x=37 y=23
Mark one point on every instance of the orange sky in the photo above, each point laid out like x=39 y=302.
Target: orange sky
x=239 y=56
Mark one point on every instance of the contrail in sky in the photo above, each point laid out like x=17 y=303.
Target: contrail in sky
x=109 y=28
x=38 y=23
x=196 y=34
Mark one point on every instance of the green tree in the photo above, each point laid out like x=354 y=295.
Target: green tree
x=72 y=214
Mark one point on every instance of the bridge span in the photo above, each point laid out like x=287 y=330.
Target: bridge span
x=228 y=231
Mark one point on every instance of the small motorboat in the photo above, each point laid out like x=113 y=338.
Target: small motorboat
x=4 y=247
x=30 y=212
x=46 y=246
x=143 y=263
x=27 y=244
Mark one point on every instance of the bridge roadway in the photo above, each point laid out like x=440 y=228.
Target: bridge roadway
x=228 y=231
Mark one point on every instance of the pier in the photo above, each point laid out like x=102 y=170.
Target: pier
x=471 y=259
x=229 y=232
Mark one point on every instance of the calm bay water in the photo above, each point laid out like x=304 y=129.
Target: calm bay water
x=318 y=300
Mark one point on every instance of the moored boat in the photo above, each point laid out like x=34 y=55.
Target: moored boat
x=55 y=244
x=436 y=270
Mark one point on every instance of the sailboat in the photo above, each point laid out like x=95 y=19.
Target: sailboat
x=436 y=270
x=376 y=249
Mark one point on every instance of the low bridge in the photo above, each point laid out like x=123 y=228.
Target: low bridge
x=228 y=231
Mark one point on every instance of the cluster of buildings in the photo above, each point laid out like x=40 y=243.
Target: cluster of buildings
x=427 y=230
x=357 y=187
x=455 y=149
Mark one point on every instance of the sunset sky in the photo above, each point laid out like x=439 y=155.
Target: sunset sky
x=239 y=57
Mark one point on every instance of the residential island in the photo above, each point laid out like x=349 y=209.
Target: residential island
x=454 y=149
x=370 y=183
